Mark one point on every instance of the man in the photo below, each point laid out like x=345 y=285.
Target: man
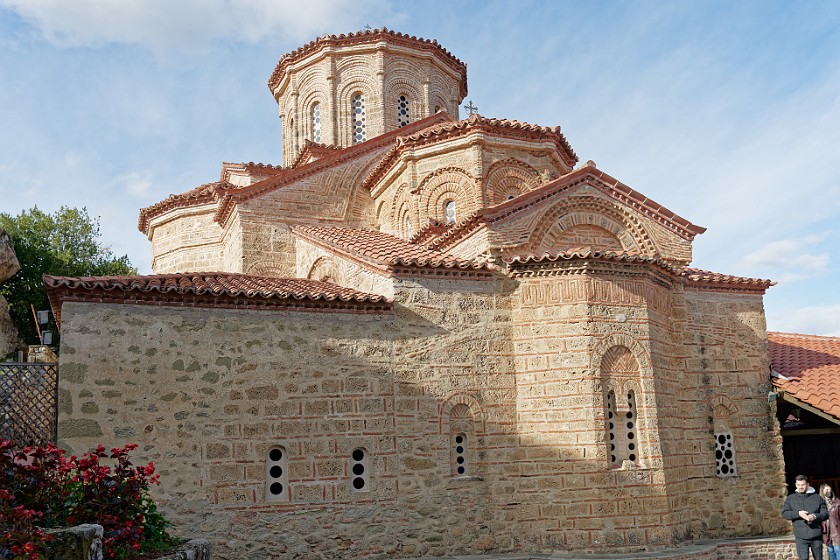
x=806 y=509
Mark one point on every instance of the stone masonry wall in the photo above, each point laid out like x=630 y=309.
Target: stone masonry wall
x=518 y=369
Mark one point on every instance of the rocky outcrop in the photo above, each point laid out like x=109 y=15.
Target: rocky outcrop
x=9 y=266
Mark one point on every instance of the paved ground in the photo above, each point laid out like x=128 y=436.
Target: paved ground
x=702 y=546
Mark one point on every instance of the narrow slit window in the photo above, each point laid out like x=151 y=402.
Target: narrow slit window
x=316 y=123
x=612 y=417
x=449 y=212
x=403 y=111
x=459 y=454
x=725 y=455
x=359 y=126
x=276 y=475
x=359 y=475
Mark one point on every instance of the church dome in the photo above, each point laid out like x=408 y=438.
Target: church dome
x=342 y=90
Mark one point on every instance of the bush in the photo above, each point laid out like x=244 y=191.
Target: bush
x=40 y=487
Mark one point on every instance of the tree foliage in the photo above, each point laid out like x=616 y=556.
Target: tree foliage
x=64 y=243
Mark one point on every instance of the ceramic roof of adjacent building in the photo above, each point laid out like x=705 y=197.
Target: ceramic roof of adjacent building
x=385 y=252
x=211 y=289
x=473 y=123
x=365 y=37
x=810 y=369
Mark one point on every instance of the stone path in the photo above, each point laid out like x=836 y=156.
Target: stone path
x=681 y=552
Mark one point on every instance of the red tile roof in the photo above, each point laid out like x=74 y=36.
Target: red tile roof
x=588 y=253
x=204 y=194
x=811 y=365
x=586 y=174
x=313 y=149
x=365 y=37
x=474 y=123
x=226 y=195
x=705 y=278
x=693 y=277
x=231 y=199
x=212 y=289
x=386 y=252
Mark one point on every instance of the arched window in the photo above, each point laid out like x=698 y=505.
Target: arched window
x=403 y=113
x=316 y=123
x=359 y=133
x=449 y=211
x=276 y=475
x=461 y=440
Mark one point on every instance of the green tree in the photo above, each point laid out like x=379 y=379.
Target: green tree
x=64 y=243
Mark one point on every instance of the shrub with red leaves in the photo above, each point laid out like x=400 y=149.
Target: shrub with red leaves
x=41 y=487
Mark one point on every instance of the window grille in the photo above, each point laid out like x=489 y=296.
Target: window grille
x=403 y=114
x=359 y=133
x=725 y=455
x=276 y=475
x=316 y=123
x=359 y=481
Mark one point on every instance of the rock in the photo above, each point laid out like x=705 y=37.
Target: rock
x=9 y=265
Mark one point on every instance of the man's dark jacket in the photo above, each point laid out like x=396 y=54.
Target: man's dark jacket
x=812 y=503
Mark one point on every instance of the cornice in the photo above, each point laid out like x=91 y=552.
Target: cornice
x=369 y=37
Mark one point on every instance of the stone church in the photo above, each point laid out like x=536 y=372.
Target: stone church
x=423 y=335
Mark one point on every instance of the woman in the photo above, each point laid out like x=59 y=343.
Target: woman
x=831 y=526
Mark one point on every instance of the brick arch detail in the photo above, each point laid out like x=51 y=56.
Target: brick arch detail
x=449 y=182
x=344 y=99
x=324 y=267
x=621 y=339
x=265 y=268
x=594 y=211
x=509 y=177
x=403 y=86
x=724 y=412
x=478 y=414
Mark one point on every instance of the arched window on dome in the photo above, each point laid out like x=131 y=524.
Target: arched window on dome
x=316 y=122
x=403 y=111
x=359 y=133
x=449 y=212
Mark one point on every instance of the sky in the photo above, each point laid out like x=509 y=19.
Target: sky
x=727 y=113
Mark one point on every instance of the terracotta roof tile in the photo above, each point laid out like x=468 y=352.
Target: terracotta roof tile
x=587 y=174
x=244 y=194
x=315 y=149
x=475 y=122
x=203 y=194
x=210 y=289
x=363 y=37
x=585 y=253
x=811 y=365
x=700 y=277
x=385 y=251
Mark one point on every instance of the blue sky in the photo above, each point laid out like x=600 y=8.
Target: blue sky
x=727 y=113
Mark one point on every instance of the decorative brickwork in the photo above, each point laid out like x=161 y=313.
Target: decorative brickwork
x=432 y=337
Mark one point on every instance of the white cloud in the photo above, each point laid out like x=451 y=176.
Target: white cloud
x=823 y=321
x=789 y=260
x=134 y=184
x=162 y=24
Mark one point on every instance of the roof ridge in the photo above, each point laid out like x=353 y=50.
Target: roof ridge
x=445 y=131
x=364 y=36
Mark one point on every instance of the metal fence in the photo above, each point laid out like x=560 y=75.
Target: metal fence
x=28 y=402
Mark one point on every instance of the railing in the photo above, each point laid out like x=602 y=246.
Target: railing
x=28 y=402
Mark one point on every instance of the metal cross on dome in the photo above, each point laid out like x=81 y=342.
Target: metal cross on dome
x=471 y=109
x=367 y=28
